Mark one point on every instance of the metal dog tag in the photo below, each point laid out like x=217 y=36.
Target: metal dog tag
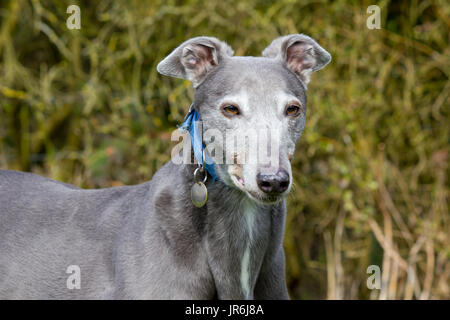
x=199 y=194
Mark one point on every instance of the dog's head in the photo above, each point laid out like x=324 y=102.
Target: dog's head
x=252 y=109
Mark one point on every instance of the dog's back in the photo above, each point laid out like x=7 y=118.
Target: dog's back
x=131 y=242
x=47 y=226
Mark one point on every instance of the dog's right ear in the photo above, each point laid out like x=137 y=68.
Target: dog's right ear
x=193 y=59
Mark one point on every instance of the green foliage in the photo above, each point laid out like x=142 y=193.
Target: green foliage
x=371 y=171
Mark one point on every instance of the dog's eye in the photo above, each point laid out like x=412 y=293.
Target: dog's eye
x=230 y=110
x=293 y=110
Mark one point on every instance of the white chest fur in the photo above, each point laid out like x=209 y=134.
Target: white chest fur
x=249 y=211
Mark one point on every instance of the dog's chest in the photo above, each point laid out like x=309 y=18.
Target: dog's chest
x=249 y=258
x=237 y=246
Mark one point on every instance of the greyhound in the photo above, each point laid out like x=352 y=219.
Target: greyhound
x=149 y=241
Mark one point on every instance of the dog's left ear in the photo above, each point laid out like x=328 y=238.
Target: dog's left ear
x=194 y=59
x=300 y=53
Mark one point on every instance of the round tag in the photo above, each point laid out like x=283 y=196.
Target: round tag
x=199 y=194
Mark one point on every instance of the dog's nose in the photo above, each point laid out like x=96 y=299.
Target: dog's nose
x=273 y=183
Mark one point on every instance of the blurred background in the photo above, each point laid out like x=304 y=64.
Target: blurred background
x=87 y=107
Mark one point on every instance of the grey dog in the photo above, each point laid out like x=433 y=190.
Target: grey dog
x=149 y=241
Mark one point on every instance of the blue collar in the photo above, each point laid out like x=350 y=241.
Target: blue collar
x=191 y=124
